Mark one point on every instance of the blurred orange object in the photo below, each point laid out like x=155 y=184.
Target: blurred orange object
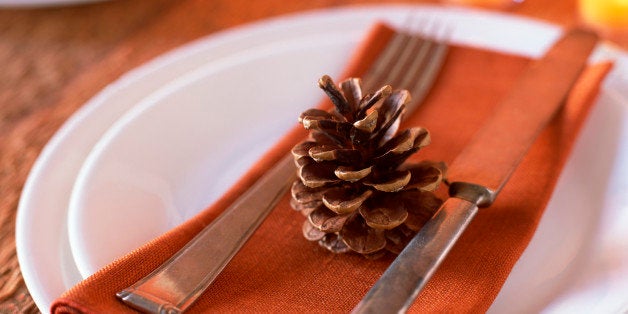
x=608 y=17
x=605 y=13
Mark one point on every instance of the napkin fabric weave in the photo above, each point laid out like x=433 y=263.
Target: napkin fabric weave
x=277 y=270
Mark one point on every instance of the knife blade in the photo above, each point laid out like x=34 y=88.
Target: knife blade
x=481 y=170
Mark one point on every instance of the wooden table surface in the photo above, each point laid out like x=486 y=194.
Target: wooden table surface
x=52 y=60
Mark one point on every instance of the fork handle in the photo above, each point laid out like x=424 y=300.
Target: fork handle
x=176 y=284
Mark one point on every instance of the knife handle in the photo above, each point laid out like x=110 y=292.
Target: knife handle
x=397 y=288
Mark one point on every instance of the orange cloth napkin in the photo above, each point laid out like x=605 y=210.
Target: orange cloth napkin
x=279 y=271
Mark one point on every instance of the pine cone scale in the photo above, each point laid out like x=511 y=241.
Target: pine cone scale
x=360 y=237
x=370 y=100
x=311 y=233
x=343 y=201
x=352 y=175
x=337 y=98
x=395 y=181
x=354 y=184
x=352 y=90
x=368 y=123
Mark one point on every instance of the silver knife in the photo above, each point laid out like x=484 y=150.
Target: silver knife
x=482 y=169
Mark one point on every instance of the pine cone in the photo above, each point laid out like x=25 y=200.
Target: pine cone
x=355 y=186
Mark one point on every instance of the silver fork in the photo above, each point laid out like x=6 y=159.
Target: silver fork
x=176 y=284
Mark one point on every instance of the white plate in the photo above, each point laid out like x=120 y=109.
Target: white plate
x=42 y=244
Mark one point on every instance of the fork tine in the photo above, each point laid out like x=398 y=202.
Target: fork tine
x=412 y=69
x=377 y=72
x=425 y=81
x=409 y=61
x=425 y=73
x=413 y=51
